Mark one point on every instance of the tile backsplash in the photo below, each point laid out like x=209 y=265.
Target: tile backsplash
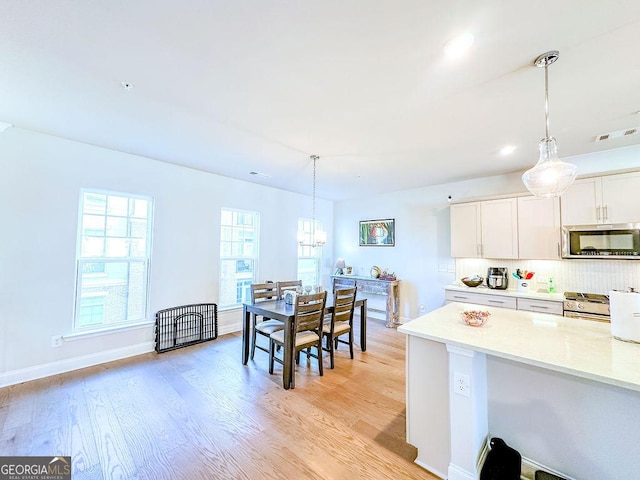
x=586 y=276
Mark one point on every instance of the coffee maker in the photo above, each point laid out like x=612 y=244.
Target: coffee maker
x=498 y=278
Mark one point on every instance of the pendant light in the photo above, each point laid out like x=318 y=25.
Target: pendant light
x=318 y=236
x=550 y=177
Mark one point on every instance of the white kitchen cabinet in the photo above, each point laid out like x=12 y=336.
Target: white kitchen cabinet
x=486 y=229
x=490 y=300
x=466 y=236
x=598 y=200
x=539 y=228
x=619 y=194
x=542 y=306
x=512 y=300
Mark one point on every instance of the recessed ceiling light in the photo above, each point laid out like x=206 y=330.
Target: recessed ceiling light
x=127 y=85
x=507 y=150
x=458 y=45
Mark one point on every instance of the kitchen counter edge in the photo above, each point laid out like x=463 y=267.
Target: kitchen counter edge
x=551 y=342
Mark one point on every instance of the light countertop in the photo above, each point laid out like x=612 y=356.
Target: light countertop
x=555 y=297
x=577 y=347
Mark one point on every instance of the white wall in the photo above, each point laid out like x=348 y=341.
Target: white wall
x=40 y=180
x=422 y=236
x=582 y=429
x=423 y=240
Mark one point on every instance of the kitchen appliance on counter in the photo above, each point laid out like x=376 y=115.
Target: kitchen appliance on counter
x=587 y=306
x=615 y=241
x=498 y=278
x=625 y=315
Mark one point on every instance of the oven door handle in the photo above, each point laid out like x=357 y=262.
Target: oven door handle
x=587 y=316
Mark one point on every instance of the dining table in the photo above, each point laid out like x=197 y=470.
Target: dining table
x=285 y=312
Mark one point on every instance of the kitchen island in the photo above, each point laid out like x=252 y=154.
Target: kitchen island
x=561 y=391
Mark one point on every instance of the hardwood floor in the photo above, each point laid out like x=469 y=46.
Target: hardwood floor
x=198 y=413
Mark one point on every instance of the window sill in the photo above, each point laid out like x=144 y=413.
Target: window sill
x=80 y=335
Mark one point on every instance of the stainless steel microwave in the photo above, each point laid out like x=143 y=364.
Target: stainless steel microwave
x=617 y=241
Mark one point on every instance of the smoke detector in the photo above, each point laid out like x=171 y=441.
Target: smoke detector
x=619 y=134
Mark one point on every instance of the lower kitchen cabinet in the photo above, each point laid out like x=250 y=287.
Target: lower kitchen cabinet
x=514 y=301
x=542 y=306
x=481 y=299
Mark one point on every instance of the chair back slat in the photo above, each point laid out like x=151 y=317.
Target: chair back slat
x=263 y=291
x=344 y=304
x=288 y=285
x=309 y=312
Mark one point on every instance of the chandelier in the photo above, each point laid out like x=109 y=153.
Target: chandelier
x=318 y=236
x=550 y=177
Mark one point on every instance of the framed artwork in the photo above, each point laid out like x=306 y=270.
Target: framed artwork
x=378 y=233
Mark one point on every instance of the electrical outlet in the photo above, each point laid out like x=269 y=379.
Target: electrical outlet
x=423 y=309
x=451 y=268
x=461 y=384
x=56 y=341
x=442 y=267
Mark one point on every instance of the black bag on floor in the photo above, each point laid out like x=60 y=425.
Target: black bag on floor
x=502 y=463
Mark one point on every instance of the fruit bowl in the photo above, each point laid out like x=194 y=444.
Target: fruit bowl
x=475 y=318
x=472 y=281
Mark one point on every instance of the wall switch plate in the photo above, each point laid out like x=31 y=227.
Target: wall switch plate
x=442 y=267
x=56 y=341
x=461 y=384
x=451 y=268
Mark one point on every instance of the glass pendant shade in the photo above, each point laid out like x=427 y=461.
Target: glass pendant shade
x=320 y=237
x=550 y=177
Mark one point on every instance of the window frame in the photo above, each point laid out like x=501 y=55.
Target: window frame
x=104 y=260
x=238 y=259
x=306 y=225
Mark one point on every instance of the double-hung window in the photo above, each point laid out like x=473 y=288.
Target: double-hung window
x=113 y=258
x=239 y=233
x=309 y=257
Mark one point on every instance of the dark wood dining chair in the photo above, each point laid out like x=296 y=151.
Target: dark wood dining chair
x=340 y=322
x=288 y=285
x=306 y=331
x=266 y=326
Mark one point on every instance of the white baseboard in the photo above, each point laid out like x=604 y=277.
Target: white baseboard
x=228 y=322
x=457 y=473
x=434 y=471
x=529 y=468
x=53 y=368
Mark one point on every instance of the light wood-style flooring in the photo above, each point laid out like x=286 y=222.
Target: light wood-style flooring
x=198 y=413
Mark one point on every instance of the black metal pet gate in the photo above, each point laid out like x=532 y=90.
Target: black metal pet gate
x=186 y=325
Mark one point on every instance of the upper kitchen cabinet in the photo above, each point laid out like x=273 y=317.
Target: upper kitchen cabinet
x=486 y=229
x=466 y=235
x=597 y=200
x=539 y=228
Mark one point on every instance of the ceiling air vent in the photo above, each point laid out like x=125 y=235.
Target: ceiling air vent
x=620 y=133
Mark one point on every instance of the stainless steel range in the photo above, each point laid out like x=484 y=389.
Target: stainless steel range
x=588 y=306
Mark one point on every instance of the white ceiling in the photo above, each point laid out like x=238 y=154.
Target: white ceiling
x=236 y=86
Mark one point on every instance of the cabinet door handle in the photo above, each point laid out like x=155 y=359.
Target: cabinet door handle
x=542 y=307
x=496 y=301
x=605 y=215
x=598 y=212
x=559 y=252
